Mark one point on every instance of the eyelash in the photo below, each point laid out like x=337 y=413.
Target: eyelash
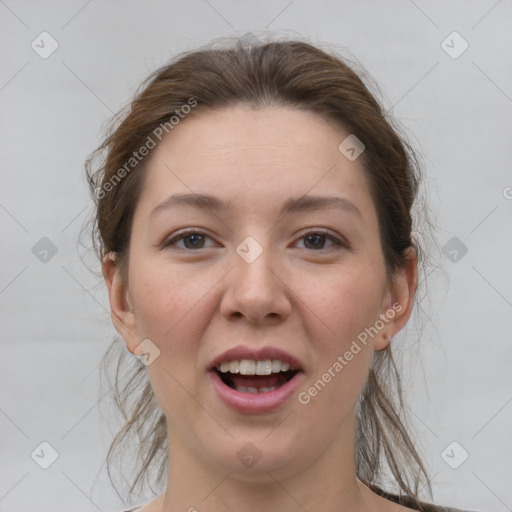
x=185 y=234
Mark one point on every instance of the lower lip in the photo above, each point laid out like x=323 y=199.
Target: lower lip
x=255 y=403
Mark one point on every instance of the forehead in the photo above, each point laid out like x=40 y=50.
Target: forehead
x=258 y=157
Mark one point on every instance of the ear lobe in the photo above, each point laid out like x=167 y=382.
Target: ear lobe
x=122 y=312
x=399 y=301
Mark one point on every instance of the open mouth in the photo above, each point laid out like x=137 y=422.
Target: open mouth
x=256 y=383
x=262 y=382
x=255 y=376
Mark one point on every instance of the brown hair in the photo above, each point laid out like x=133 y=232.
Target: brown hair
x=298 y=75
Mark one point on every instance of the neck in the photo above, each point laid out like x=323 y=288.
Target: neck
x=328 y=483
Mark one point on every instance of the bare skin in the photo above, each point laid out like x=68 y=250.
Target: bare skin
x=309 y=297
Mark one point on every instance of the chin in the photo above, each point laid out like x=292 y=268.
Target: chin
x=251 y=457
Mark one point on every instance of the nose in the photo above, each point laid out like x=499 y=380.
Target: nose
x=256 y=291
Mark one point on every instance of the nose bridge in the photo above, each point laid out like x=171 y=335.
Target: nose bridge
x=253 y=264
x=255 y=291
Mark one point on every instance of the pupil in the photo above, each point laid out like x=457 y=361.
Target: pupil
x=316 y=238
x=195 y=240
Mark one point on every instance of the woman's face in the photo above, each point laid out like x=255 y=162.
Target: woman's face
x=281 y=262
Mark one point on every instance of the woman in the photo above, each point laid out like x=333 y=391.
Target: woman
x=254 y=224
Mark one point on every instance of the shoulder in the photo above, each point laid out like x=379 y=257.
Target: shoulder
x=155 y=505
x=410 y=504
x=422 y=506
x=450 y=509
x=428 y=507
x=139 y=508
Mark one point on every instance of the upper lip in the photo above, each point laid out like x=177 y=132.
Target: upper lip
x=260 y=354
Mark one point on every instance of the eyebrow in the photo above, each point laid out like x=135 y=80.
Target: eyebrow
x=292 y=205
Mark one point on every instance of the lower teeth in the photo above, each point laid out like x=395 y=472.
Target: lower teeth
x=243 y=389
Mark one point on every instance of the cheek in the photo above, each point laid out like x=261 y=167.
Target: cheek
x=347 y=302
x=161 y=296
x=174 y=308
x=347 y=305
x=170 y=313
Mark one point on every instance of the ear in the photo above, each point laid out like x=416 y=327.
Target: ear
x=399 y=299
x=122 y=312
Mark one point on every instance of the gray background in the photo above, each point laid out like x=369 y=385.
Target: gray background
x=54 y=314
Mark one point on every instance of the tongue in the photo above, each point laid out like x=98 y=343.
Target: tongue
x=258 y=381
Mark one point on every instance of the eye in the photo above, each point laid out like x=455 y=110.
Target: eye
x=315 y=240
x=191 y=240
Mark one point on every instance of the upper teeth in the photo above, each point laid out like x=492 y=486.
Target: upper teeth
x=250 y=367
